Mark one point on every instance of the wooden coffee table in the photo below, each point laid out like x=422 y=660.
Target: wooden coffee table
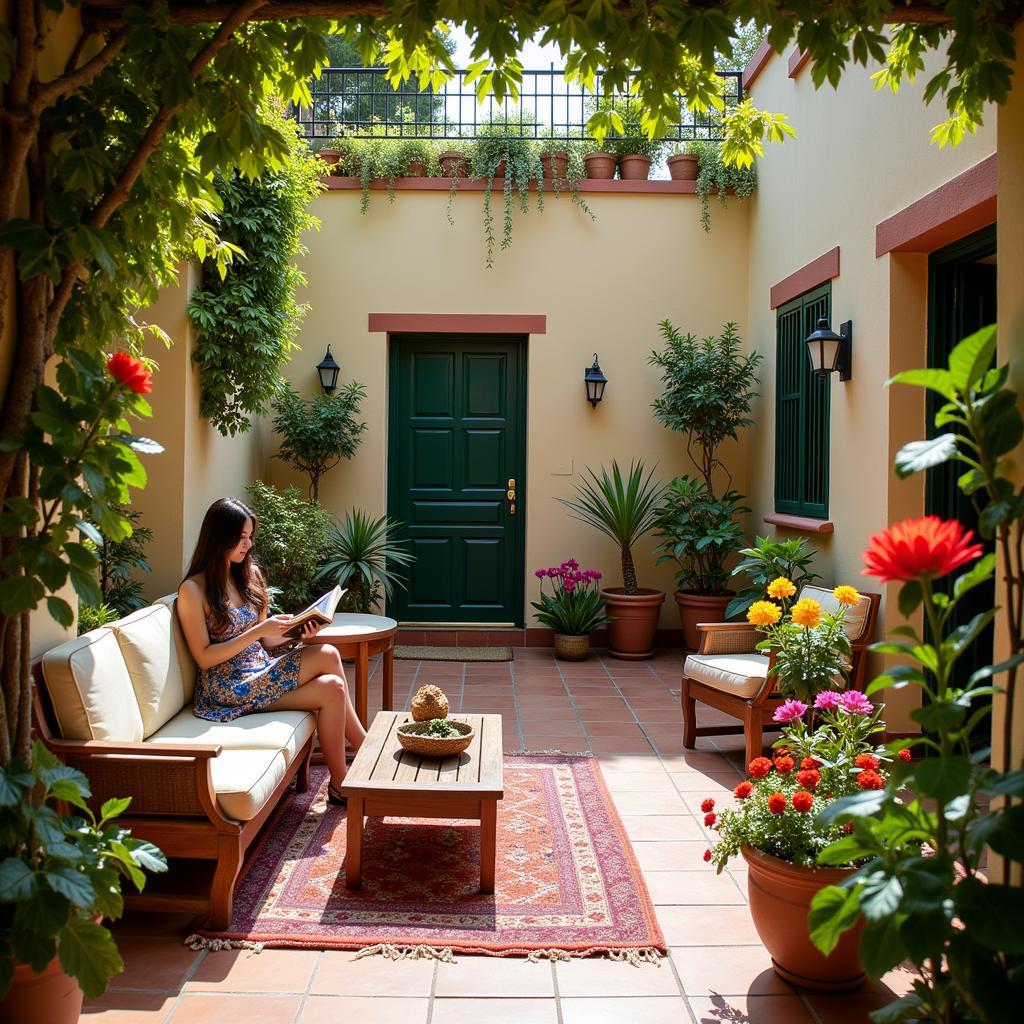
x=385 y=778
x=358 y=636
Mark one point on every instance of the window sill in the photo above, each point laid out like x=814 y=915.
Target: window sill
x=805 y=524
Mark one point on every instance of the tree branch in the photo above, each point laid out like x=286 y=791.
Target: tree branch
x=45 y=95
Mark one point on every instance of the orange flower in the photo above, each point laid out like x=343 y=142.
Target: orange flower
x=781 y=588
x=784 y=765
x=802 y=801
x=131 y=372
x=904 y=754
x=926 y=547
x=846 y=595
x=763 y=613
x=707 y=805
x=759 y=767
x=810 y=762
x=777 y=803
x=870 y=779
x=807 y=612
x=866 y=761
x=809 y=778
x=743 y=790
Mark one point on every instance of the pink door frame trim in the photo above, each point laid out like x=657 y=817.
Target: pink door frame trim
x=458 y=323
x=818 y=271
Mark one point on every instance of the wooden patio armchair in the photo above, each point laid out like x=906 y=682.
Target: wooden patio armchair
x=729 y=674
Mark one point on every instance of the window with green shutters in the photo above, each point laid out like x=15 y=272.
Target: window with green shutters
x=801 y=409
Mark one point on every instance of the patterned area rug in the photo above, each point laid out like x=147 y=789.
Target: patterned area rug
x=420 y=652
x=567 y=879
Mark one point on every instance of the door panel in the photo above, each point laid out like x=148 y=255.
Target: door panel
x=456 y=438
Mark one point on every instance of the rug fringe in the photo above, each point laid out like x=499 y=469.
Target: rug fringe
x=214 y=945
x=548 y=752
x=636 y=957
x=392 y=952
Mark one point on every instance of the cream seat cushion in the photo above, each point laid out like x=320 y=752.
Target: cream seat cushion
x=854 y=618
x=244 y=780
x=740 y=674
x=284 y=731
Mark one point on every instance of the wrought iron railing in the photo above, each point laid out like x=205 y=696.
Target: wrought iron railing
x=362 y=101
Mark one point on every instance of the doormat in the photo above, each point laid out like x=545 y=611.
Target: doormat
x=567 y=881
x=414 y=652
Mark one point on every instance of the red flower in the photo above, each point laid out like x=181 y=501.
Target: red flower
x=707 y=805
x=870 y=779
x=802 y=801
x=744 y=789
x=131 y=372
x=759 y=767
x=777 y=803
x=784 y=765
x=781 y=751
x=848 y=827
x=867 y=761
x=809 y=778
x=707 y=855
x=928 y=546
x=709 y=819
x=904 y=754
x=810 y=762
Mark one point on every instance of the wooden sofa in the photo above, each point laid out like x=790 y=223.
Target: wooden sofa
x=729 y=674
x=116 y=704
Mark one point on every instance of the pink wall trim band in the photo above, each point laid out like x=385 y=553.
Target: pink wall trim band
x=458 y=323
x=803 y=523
x=797 y=59
x=962 y=205
x=818 y=271
x=756 y=64
x=658 y=187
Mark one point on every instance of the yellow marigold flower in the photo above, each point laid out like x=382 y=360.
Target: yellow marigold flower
x=807 y=612
x=781 y=587
x=763 y=613
x=846 y=595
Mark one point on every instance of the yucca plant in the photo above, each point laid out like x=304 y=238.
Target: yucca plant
x=622 y=509
x=363 y=555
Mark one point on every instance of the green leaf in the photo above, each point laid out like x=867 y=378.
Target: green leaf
x=847 y=850
x=935 y=380
x=859 y=805
x=88 y=953
x=971 y=358
x=917 y=456
x=60 y=611
x=19 y=594
x=911 y=596
x=71 y=883
x=905 y=1008
x=17 y=880
x=114 y=807
x=1003 y=830
x=992 y=914
x=978 y=573
x=939 y=715
x=881 y=946
x=880 y=895
x=942 y=777
x=833 y=911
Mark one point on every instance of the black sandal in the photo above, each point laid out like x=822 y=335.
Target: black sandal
x=335 y=797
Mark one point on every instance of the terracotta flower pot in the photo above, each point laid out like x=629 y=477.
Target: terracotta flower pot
x=416 y=169
x=634 y=167
x=780 y=896
x=600 y=165
x=51 y=996
x=554 y=165
x=682 y=167
x=571 y=648
x=453 y=163
x=633 y=620
x=330 y=156
x=694 y=608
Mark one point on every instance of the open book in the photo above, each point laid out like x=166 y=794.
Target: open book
x=320 y=611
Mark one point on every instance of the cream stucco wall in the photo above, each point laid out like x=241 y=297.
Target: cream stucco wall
x=602 y=285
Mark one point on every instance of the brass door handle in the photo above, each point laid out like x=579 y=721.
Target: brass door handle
x=511 y=495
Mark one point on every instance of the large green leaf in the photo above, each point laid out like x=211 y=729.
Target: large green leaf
x=17 y=880
x=942 y=778
x=88 y=953
x=881 y=945
x=905 y=1008
x=917 y=456
x=992 y=914
x=834 y=910
x=71 y=883
x=971 y=358
x=935 y=380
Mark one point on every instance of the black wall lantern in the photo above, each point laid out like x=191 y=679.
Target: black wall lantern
x=830 y=351
x=595 y=381
x=328 y=370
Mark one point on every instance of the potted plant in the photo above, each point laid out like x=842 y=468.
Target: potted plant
x=682 y=163
x=61 y=875
x=825 y=753
x=600 y=164
x=713 y=175
x=453 y=163
x=574 y=610
x=562 y=164
x=769 y=560
x=624 y=510
x=708 y=386
x=363 y=555
x=417 y=158
x=633 y=148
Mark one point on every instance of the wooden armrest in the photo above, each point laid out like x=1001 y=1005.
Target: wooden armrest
x=194 y=750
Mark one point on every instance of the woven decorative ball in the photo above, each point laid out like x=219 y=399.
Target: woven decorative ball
x=428 y=702
x=411 y=737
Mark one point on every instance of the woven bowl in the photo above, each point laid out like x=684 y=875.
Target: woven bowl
x=411 y=737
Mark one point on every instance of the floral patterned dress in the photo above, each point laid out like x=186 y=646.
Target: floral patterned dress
x=247 y=682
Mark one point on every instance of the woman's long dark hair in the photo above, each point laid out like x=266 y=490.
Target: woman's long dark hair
x=220 y=533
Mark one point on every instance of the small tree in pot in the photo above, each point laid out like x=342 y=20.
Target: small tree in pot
x=709 y=386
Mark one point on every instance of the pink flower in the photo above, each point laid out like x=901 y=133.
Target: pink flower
x=827 y=700
x=790 y=711
x=554 y=572
x=856 y=703
x=540 y=573
x=568 y=584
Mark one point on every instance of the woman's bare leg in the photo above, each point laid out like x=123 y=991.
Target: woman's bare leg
x=327 y=695
x=323 y=659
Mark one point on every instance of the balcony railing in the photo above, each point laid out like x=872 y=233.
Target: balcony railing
x=361 y=100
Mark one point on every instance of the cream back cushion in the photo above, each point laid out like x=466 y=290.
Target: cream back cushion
x=189 y=668
x=162 y=684
x=855 y=617
x=91 y=691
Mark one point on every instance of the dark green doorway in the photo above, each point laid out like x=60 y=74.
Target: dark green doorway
x=961 y=300
x=456 y=466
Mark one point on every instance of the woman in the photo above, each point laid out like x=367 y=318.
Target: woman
x=222 y=606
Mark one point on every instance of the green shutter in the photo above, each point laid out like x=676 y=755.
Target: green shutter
x=801 y=410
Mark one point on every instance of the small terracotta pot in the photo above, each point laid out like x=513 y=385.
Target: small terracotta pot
x=682 y=167
x=330 y=156
x=554 y=165
x=571 y=648
x=51 y=996
x=600 y=165
x=633 y=618
x=634 y=167
x=453 y=163
x=694 y=608
x=780 y=896
x=416 y=169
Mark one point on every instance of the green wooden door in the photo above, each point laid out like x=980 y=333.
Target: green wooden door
x=457 y=416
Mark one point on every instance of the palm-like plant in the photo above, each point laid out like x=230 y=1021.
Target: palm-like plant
x=622 y=509
x=362 y=555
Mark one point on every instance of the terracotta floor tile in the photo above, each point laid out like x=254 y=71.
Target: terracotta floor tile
x=201 y=1008
x=695 y=887
x=626 y=728
x=640 y=782
x=612 y=761
x=615 y=745
x=646 y=1009
x=646 y=828
x=749 y=1010
x=339 y=973
x=565 y=714
x=727 y=971
x=153 y=963
x=707 y=783
x=373 y=1010
x=695 y=925
x=242 y=970
x=597 y=977
x=649 y=803
x=485 y=976
x=554 y=725
x=846 y=1007
x=115 y=1007
x=494 y=1011
x=686 y=857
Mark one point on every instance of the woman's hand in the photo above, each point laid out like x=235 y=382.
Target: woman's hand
x=309 y=631
x=273 y=627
